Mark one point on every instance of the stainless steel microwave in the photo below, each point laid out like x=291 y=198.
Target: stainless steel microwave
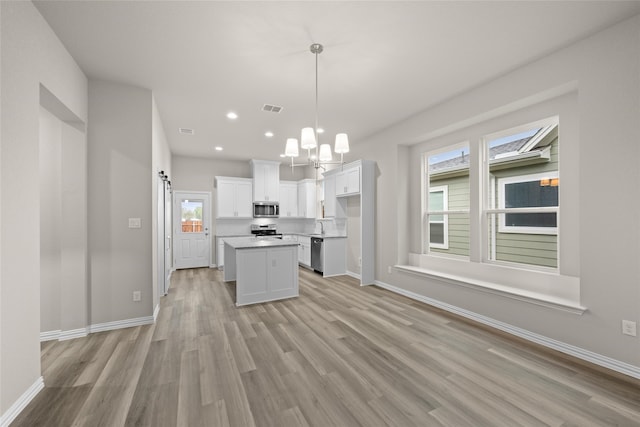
x=266 y=209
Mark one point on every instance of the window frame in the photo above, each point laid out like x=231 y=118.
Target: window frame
x=445 y=217
x=502 y=227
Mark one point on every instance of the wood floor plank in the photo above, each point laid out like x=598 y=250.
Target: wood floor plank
x=339 y=355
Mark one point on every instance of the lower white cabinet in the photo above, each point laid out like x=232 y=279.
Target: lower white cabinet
x=220 y=252
x=304 y=250
x=266 y=274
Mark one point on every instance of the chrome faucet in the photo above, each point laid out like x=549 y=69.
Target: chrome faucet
x=321 y=227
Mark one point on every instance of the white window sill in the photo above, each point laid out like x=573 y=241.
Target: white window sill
x=562 y=294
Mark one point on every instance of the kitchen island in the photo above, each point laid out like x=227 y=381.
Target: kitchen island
x=264 y=269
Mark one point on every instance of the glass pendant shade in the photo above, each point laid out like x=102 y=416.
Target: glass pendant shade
x=291 y=149
x=325 y=153
x=342 y=143
x=308 y=138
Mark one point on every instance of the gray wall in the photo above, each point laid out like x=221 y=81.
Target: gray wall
x=120 y=187
x=31 y=55
x=63 y=226
x=604 y=71
x=161 y=161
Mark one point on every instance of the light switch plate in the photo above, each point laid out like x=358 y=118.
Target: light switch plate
x=135 y=223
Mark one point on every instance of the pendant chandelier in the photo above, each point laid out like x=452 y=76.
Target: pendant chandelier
x=309 y=137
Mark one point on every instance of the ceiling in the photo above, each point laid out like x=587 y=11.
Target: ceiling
x=383 y=61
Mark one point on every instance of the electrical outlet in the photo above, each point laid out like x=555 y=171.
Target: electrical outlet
x=389 y=270
x=137 y=296
x=629 y=328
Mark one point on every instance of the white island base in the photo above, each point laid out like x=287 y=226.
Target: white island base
x=264 y=270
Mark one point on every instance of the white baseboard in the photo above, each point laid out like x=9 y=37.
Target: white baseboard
x=99 y=327
x=156 y=311
x=50 y=335
x=63 y=335
x=74 y=333
x=7 y=418
x=354 y=275
x=119 y=324
x=580 y=353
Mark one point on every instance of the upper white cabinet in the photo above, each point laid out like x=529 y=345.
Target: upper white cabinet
x=307 y=198
x=348 y=182
x=234 y=197
x=288 y=199
x=329 y=184
x=266 y=180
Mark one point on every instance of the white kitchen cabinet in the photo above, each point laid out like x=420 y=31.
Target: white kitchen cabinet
x=304 y=250
x=355 y=180
x=288 y=199
x=307 y=198
x=220 y=252
x=348 y=182
x=329 y=184
x=234 y=197
x=334 y=255
x=266 y=180
x=262 y=273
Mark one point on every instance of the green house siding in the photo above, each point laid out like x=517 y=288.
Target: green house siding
x=458 y=232
x=525 y=248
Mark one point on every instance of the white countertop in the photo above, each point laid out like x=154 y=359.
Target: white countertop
x=322 y=236
x=252 y=242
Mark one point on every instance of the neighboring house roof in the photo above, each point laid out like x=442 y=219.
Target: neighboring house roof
x=535 y=145
x=463 y=159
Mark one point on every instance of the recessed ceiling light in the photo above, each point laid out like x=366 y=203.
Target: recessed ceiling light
x=219 y=148
x=268 y=134
x=320 y=130
x=231 y=115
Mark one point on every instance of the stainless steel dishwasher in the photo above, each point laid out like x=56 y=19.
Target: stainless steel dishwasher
x=317 y=260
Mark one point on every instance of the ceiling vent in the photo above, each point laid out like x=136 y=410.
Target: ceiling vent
x=185 y=131
x=271 y=108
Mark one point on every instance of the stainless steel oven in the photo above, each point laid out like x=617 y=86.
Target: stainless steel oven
x=265 y=231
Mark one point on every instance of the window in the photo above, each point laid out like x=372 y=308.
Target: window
x=518 y=179
x=191 y=216
x=438 y=224
x=447 y=208
x=529 y=191
x=522 y=195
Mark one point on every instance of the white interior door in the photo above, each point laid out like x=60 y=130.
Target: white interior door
x=191 y=237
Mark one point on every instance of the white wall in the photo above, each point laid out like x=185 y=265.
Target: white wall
x=63 y=227
x=50 y=220
x=121 y=185
x=605 y=69
x=30 y=55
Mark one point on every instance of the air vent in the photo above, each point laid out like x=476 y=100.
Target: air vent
x=271 y=108
x=185 y=131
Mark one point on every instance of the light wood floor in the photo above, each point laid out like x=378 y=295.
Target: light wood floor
x=339 y=355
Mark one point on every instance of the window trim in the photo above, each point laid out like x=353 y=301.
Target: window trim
x=502 y=227
x=445 y=217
